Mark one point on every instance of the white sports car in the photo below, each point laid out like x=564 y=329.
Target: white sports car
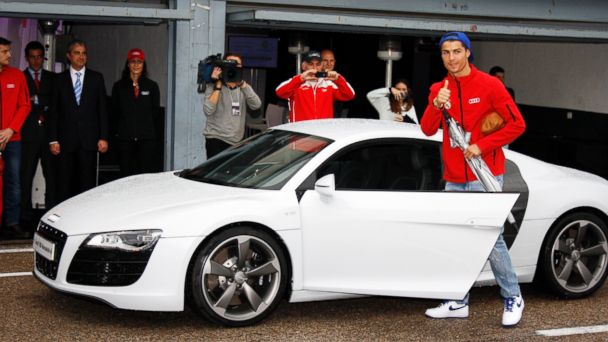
x=320 y=210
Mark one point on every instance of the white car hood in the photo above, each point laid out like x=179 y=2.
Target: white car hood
x=141 y=202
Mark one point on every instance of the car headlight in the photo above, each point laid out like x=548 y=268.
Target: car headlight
x=130 y=240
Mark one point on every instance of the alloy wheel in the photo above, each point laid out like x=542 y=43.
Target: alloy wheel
x=241 y=278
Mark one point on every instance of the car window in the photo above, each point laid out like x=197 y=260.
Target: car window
x=265 y=161
x=397 y=165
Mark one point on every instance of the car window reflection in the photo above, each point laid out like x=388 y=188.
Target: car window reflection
x=265 y=161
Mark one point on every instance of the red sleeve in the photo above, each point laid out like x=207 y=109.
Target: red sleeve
x=23 y=103
x=431 y=119
x=287 y=88
x=345 y=91
x=514 y=122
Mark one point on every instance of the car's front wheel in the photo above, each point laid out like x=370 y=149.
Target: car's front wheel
x=238 y=277
x=575 y=256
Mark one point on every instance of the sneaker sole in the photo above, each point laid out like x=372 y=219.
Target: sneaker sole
x=447 y=317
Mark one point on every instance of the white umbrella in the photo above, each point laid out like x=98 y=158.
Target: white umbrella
x=459 y=138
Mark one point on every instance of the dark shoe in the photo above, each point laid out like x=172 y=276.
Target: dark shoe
x=15 y=232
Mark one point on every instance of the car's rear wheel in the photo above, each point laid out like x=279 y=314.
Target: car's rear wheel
x=575 y=256
x=238 y=277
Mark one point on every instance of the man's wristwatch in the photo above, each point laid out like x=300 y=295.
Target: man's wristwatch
x=217 y=88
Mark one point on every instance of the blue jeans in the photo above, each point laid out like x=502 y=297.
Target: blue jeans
x=12 y=184
x=500 y=261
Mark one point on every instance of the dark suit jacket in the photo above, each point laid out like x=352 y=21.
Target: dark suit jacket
x=78 y=126
x=136 y=116
x=30 y=126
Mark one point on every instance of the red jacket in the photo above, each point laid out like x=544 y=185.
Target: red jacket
x=313 y=100
x=15 y=100
x=472 y=98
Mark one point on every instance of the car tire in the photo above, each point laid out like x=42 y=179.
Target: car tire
x=238 y=277
x=575 y=255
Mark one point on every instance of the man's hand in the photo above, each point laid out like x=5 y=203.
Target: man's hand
x=309 y=75
x=398 y=117
x=6 y=135
x=55 y=148
x=215 y=74
x=332 y=75
x=443 y=96
x=102 y=146
x=472 y=151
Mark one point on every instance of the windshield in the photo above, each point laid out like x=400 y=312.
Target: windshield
x=265 y=161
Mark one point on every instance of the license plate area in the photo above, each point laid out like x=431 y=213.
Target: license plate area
x=44 y=247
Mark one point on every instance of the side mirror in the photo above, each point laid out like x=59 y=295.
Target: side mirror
x=326 y=185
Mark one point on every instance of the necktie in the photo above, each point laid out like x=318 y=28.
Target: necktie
x=77 y=88
x=36 y=80
x=136 y=89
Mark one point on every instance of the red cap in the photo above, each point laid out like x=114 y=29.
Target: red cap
x=136 y=53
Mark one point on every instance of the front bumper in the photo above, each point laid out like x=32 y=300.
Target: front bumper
x=160 y=288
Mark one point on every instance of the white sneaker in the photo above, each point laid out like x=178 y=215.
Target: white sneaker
x=449 y=309
x=514 y=307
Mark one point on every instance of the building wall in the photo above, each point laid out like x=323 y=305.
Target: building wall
x=559 y=75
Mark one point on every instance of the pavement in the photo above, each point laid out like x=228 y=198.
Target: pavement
x=31 y=311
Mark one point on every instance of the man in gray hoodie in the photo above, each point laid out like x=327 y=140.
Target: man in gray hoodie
x=225 y=105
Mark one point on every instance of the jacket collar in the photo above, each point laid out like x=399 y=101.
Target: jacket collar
x=467 y=78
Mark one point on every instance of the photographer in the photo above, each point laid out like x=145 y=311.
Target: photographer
x=225 y=104
x=394 y=103
x=311 y=94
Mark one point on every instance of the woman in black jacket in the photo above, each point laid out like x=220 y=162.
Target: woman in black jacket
x=136 y=106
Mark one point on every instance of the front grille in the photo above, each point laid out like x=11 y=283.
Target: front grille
x=45 y=266
x=103 y=267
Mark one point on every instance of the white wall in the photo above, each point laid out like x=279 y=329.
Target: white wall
x=559 y=75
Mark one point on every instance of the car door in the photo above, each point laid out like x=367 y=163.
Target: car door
x=383 y=229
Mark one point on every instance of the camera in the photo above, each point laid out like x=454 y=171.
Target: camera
x=230 y=71
x=404 y=96
x=320 y=74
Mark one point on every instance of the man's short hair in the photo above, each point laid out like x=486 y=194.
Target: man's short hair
x=233 y=54
x=75 y=42
x=496 y=69
x=33 y=45
x=4 y=41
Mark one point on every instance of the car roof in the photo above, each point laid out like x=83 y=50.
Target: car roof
x=340 y=129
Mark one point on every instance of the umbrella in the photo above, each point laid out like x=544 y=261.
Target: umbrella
x=459 y=138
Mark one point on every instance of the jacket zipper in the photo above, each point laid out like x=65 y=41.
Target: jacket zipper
x=466 y=175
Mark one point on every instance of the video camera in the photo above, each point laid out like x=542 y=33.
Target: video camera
x=230 y=71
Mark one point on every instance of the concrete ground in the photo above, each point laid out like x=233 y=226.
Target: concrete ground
x=31 y=311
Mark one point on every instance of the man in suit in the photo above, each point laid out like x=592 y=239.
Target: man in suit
x=78 y=123
x=34 y=142
x=14 y=107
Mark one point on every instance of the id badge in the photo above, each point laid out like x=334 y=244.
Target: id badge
x=236 y=109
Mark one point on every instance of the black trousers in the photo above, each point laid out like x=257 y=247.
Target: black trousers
x=137 y=157
x=77 y=172
x=33 y=150
x=215 y=146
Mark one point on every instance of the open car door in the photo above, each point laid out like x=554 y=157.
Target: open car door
x=426 y=244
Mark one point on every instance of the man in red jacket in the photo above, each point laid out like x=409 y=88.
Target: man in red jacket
x=15 y=107
x=469 y=95
x=311 y=95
